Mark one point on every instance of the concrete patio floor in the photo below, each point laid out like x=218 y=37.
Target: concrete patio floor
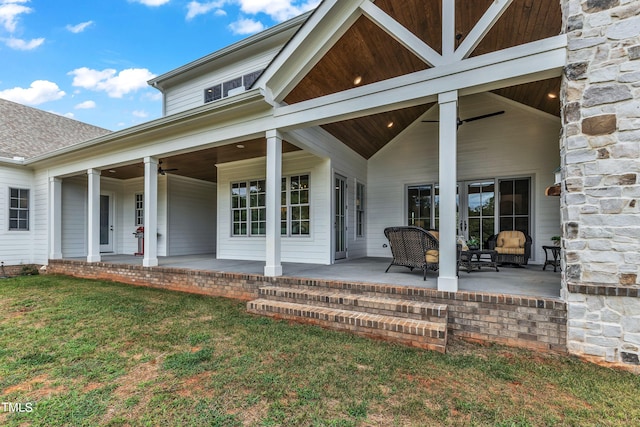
x=527 y=281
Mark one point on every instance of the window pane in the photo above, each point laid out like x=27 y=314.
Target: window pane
x=419 y=206
x=506 y=197
x=231 y=84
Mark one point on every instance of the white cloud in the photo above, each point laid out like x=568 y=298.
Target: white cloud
x=39 y=92
x=110 y=81
x=19 y=44
x=78 y=28
x=278 y=10
x=10 y=11
x=140 y=113
x=152 y=2
x=86 y=105
x=246 y=26
x=195 y=8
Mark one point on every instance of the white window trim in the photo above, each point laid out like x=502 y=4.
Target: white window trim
x=28 y=209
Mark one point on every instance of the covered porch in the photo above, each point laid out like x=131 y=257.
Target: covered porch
x=529 y=281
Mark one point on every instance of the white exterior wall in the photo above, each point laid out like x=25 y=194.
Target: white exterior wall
x=16 y=247
x=312 y=249
x=190 y=94
x=191 y=216
x=74 y=217
x=522 y=142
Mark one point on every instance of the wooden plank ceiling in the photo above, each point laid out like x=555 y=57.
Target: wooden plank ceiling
x=365 y=54
x=368 y=53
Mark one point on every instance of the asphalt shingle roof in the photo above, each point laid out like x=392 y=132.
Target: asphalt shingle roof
x=28 y=132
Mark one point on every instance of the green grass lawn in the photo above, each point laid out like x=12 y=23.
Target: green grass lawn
x=79 y=352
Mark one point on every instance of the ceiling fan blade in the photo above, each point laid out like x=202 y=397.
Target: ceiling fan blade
x=484 y=116
x=430 y=121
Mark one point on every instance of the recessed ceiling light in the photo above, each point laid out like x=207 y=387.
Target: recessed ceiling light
x=240 y=146
x=357 y=80
x=390 y=125
x=552 y=95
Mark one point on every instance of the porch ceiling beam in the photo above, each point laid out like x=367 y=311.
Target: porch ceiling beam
x=401 y=34
x=482 y=27
x=521 y=64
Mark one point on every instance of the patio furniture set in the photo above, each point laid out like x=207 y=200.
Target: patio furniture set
x=415 y=247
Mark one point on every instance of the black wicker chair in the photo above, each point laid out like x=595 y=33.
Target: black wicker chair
x=511 y=255
x=413 y=247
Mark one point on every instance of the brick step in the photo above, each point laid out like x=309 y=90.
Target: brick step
x=356 y=302
x=416 y=333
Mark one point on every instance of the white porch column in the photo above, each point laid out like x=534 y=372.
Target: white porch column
x=55 y=218
x=93 y=215
x=448 y=277
x=273 y=266
x=150 y=212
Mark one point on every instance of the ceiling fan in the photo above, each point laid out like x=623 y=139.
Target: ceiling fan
x=162 y=171
x=470 y=119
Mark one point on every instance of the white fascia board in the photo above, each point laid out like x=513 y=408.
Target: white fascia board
x=533 y=61
x=249 y=101
x=322 y=30
x=403 y=36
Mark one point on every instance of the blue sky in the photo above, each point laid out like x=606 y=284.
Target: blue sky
x=90 y=59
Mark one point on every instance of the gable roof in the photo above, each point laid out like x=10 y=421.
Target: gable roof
x=28 y=132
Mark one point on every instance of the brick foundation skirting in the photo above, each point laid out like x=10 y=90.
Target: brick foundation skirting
x=518 y=321
x=604 y=290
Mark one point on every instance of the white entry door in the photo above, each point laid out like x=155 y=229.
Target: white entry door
x=106 y=223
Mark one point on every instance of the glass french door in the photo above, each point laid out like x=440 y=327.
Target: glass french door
x=106 y=223
x=478 y=221
x=340 y=217
x=483 y=207
x=475 y=209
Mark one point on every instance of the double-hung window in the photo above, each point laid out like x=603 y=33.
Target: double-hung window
x=360 y=206
x=248 y=207
x=295 y=211
x=139 y=209
x=18 y=209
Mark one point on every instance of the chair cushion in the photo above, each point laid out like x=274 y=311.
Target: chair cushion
x=512 y=242
x=435 y=234
x=509 y=251
x=512 y=234
x=433 y=256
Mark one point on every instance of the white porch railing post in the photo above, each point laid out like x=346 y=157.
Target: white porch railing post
x=150 y=212
x=93 y=215
x=55 y=218
x=273 y=266
x=448 y=276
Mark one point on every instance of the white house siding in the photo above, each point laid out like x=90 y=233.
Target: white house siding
x=16 y=247
x=522 y=142
x=74 y=217
x=40 y=218
x=190 y=94
x=312 y=249
x=191 y=216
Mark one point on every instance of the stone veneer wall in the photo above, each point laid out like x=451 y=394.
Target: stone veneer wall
x=600 y=157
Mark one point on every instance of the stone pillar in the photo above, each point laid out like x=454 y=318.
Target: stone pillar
x=600 y=158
